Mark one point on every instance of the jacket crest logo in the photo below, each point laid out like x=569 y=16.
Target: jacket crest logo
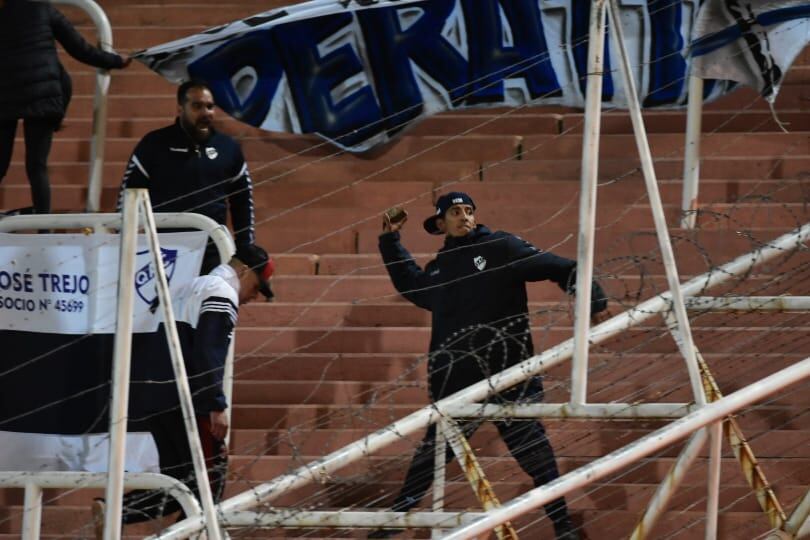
x=211 y=152
x=147 y=275
x=480 y=262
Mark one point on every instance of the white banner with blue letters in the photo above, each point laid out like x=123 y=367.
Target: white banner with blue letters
x=68 y=284
x=357 y=72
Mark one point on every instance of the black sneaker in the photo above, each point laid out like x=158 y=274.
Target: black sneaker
x=565 y=530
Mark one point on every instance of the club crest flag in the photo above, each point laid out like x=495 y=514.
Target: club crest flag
x=358 y=72
x=751 y=42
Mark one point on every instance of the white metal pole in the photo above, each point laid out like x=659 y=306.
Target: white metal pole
x=227 y=387
x=587 y=202
x=713 y=497
x=32 y=511
x=296 y=518
x=99 y=135
x=491 y=411
x=691 y=158
x=799 y=517
x=439 y=468
x=121 y=364
x=315 y=470
x=656 y=206
x=667 y=488
x=183 y=389
x=649 y=444
x=749 y=303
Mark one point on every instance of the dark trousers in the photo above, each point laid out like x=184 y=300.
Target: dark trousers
x=525 y=439
x=169 y=433
x=38 y=137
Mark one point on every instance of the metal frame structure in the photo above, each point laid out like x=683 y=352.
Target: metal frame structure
x=99 y=129
x=703 y=418
x=137 y=212
x=35 y=482
x=465 y=402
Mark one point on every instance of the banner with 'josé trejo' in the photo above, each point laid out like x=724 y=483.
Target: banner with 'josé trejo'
x=68 y=284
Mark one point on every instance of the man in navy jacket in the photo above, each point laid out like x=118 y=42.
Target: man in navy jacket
x=188 y=166
x=475 y=289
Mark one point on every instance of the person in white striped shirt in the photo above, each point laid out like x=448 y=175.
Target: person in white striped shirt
x=206 y=314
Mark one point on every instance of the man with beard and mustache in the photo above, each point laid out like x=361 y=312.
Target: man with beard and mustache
x=475 y=289
x=190 y=167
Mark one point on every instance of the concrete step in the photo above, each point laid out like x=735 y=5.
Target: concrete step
x=569 y=439
x=273 y=340
x=671 y=383
x=752 y=167
x=617 y=122
x=387 y=473
x=280 y=145
x=669 y=145
x=410 y=369
x=628 y=288
x=480 y=147
x=288 y=227
x=397 y=313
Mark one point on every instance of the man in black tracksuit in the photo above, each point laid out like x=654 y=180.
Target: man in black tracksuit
x=475 y=289
x=190 y=167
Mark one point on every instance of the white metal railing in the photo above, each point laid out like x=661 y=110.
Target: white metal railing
x=137 y=204
x=34 y=482
x=317 y=470
x=99 y=129
x=657 y=440
x=219 y=234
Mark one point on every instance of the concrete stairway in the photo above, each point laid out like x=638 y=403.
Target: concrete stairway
x=339 y=354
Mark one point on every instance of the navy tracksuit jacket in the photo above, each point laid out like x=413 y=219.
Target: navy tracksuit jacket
x=475 y=289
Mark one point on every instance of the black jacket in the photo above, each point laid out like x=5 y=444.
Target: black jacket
x=31 y=78
x=475 y=289
x=185 y=176
x=206 y=313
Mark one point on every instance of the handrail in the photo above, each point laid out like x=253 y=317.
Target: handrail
x=218 y=233
x=33 y=482
x=99 y=129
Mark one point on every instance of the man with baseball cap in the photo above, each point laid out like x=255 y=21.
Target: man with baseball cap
x=206 y=311
x=475 y=289
x=256 y=258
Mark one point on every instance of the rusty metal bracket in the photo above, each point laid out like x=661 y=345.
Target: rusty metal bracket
x=744 y=454
x=475 y=474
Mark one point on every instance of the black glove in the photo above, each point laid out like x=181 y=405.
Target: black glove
x=599 y=300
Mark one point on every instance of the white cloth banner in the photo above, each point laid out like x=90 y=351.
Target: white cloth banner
x=751 y=42
x=68 y=284
x=87 y=453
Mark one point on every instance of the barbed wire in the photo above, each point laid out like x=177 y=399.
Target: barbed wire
x=373 y=405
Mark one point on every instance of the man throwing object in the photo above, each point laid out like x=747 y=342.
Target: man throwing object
x=475 y=289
